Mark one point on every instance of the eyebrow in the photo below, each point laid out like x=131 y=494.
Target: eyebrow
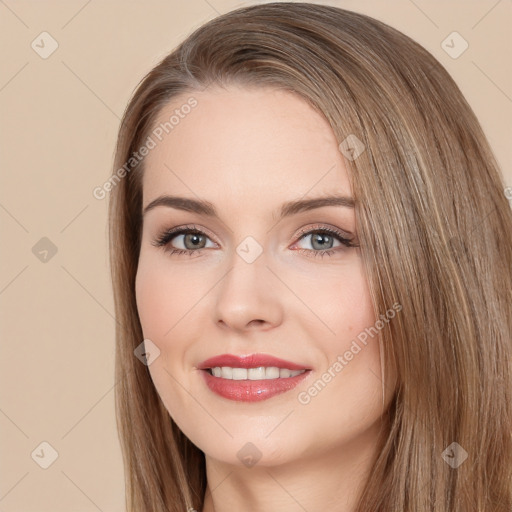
x=290 y=208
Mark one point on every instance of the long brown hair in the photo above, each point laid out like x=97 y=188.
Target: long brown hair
x=436 y=236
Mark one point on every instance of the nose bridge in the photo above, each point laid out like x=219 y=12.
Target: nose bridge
x=247 y=270
x=247 y=292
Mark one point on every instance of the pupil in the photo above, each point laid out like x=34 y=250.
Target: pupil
x=321 y=239
x=194 y=238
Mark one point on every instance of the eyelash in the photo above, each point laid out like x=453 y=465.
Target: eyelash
x=165 y=238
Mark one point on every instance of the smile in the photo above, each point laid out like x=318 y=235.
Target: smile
x=260 y=373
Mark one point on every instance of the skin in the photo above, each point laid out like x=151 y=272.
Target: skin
x=247 y=151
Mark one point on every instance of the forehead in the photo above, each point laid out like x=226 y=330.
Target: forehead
x=248 y=143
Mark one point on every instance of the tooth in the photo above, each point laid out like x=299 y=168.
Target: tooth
x=239 y=373
x=259 y=373
x=256 y=373
x=227 y=373
x=272 y=372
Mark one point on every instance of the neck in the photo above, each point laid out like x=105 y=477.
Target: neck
x=314 y=482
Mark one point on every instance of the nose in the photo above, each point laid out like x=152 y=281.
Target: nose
x=248 y=297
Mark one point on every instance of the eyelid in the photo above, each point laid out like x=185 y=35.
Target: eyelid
x=325 y=227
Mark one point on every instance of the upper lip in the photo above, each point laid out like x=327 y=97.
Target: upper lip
x=249 y=361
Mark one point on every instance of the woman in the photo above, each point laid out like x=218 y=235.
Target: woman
x=311 y=257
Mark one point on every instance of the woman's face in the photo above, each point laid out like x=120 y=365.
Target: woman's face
x=253 y=279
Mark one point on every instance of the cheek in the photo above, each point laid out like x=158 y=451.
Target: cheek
x=341 y=302
x=168 y=302
x=153 y=300
x=160 y=306
x=164 y=294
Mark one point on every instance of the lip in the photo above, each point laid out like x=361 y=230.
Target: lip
x=250 y=390
x=249 y=361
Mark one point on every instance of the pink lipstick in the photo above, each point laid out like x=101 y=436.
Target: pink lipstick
x=251 y=378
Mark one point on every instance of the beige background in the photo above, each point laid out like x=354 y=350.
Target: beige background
x=59 y=120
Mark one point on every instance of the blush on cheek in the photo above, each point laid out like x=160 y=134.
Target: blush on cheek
x=153 y=292
x=151 y=304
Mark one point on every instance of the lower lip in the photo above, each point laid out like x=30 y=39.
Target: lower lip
x=251 y=390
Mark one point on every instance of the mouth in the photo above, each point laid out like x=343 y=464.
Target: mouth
x=251 y=378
